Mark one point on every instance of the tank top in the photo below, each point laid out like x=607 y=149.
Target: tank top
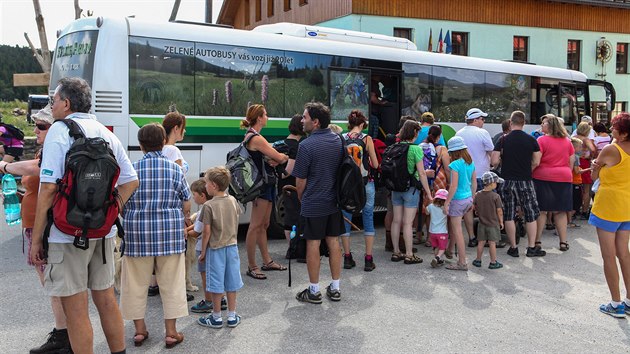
x=611 y=200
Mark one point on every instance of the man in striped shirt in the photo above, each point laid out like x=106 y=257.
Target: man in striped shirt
x=316 y=164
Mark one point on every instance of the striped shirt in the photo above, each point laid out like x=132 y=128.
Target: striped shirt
x=317 y=161
x=153 y=216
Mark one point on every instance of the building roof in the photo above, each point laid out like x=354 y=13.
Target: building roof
x=605 y=3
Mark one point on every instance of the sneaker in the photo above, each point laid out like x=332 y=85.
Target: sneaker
x=617 y=312
x=627 y=308
x=57 y=342
x=153 y=290
x=437 y=262
x=233 y=321
x=348 y=262
x=500 y=244
x=202 y=307
x=535 y=252
x=477 y=263
x=473 y=242
x=495 y=265
x=209 y=321
x=306 y=296
x=334 y=295
x=369 y=265
x=512 y=251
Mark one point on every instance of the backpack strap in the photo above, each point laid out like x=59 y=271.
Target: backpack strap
x=246 y=141
x=74 y=130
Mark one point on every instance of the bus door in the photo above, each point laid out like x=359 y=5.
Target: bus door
x=568 y=108
x=601 y=100
x=386 y=100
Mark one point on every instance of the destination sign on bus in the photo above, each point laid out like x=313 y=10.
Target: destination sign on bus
x=226 y=54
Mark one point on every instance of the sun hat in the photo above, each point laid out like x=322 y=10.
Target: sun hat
x=44 y=114
x=491 y=177
x=441 y=194
x=456 y=143
x=475 y=113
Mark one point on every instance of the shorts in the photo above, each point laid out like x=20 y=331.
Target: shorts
x=488 y=233
x=408 y=199
x=71 y=270
x=554 y=196
x=291 y=210
x=201 y=266
x=439 y=241
x=520 y=193
x=269 y=193
x=223 y=270
x=460 y=207
x=577 y=197
x=609 y=226
x=320 y=227
x=16 y=152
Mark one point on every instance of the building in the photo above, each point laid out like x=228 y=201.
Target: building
x=591 y=36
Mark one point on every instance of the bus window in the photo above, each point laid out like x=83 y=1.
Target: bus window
x=74 y=57
x=348 y=90
x=305 y=80
x=568 y=104
x=504 y=94
x=455 y=91
x=416 y=86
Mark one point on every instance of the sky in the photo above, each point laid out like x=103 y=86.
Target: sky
x=18 y=16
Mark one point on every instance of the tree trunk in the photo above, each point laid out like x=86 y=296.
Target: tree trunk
x=77 y=10
x=43 y=57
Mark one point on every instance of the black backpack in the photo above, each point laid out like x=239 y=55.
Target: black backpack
x=394 y=172
x=350 y=186
x=12 y=131
x=282 y=147
x=86 y=203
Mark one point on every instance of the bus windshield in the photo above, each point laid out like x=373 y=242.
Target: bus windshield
x=74 y=56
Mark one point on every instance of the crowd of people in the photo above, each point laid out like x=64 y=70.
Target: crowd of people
x=513 y=178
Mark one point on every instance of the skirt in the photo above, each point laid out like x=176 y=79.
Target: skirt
x=554 y=196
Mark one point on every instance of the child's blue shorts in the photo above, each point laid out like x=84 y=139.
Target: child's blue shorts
x=223 y=270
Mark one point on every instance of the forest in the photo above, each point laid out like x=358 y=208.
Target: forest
x=14 y=60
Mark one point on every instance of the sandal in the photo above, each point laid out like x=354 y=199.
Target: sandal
x=457 y=266
x=397 y=257
x=574 y=225
x=417 y=241
x=273 y=266
x=564 y=246
x=174 y=340
x=254 y=273
x=413 y=259
x=138 y=341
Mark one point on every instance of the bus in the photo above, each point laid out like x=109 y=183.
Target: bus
x=137 y=69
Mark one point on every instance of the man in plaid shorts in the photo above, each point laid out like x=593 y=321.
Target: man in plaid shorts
x=518 y=154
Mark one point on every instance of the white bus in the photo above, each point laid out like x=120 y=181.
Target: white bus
x=137 y=69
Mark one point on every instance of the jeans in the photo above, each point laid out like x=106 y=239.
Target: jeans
x=367 y=213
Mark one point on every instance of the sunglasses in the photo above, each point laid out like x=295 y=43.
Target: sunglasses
x=42 y=126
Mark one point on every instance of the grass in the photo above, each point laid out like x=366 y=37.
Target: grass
x=6 y=108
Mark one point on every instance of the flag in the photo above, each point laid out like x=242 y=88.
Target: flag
x=440 y=48
x=447 y=41
x=430 y=47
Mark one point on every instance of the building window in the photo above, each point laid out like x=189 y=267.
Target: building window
x=403 y=33
x=246 y=12
x=459 y=42
x=573 y=54
x=303 y=2
x=258 y=10
x=270 y=8
x=287 y=5
x=520 y=48
x=622 y=58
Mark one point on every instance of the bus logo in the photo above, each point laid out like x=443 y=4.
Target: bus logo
x=312 y=34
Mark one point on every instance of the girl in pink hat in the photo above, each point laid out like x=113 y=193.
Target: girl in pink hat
x=438 y=230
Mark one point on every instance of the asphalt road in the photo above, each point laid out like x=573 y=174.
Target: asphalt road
x=545 y=304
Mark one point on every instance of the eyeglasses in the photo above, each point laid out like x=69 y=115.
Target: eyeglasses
x=51 y=101
x=42 y=126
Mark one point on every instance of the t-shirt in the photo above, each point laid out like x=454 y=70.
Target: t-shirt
x=554 y=163
x=414 y=155
x=57 y=144
x=424 y=133
x=221 y=213
x=486 y=204
x=29 y=201
x=173 y=153
x=516 y=161
x=464 y=182
x=293 y=145
x=601 y=142
x=577 y=177
x=591 y=134
x=479 y=145
x=318 y=160
x=437 y=224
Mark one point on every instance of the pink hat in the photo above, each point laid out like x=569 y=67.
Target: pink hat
x=441 y=194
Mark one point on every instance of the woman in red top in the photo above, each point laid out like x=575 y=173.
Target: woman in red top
x=553 y=177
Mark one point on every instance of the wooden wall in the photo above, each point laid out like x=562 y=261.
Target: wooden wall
x=313 y=12
x=529 y=13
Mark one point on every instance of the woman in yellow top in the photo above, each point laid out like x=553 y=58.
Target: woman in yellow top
x=611 y=215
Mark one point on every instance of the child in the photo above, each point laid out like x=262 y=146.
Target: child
x=200 y=196
x=577 y=182
x=459 y=201
x=218 y=247
x=488 y=205
x=438 y=230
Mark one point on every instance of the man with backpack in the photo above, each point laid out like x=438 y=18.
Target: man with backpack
x=78 y=261
x=318 y=159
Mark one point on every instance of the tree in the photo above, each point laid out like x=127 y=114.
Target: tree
x=43 y=56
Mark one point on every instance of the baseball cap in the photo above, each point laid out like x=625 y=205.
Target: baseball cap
x=475 y=113
x=456 y=143
x=44 y=114
x=491 y=177
x=587 y=119
x=441 y=194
